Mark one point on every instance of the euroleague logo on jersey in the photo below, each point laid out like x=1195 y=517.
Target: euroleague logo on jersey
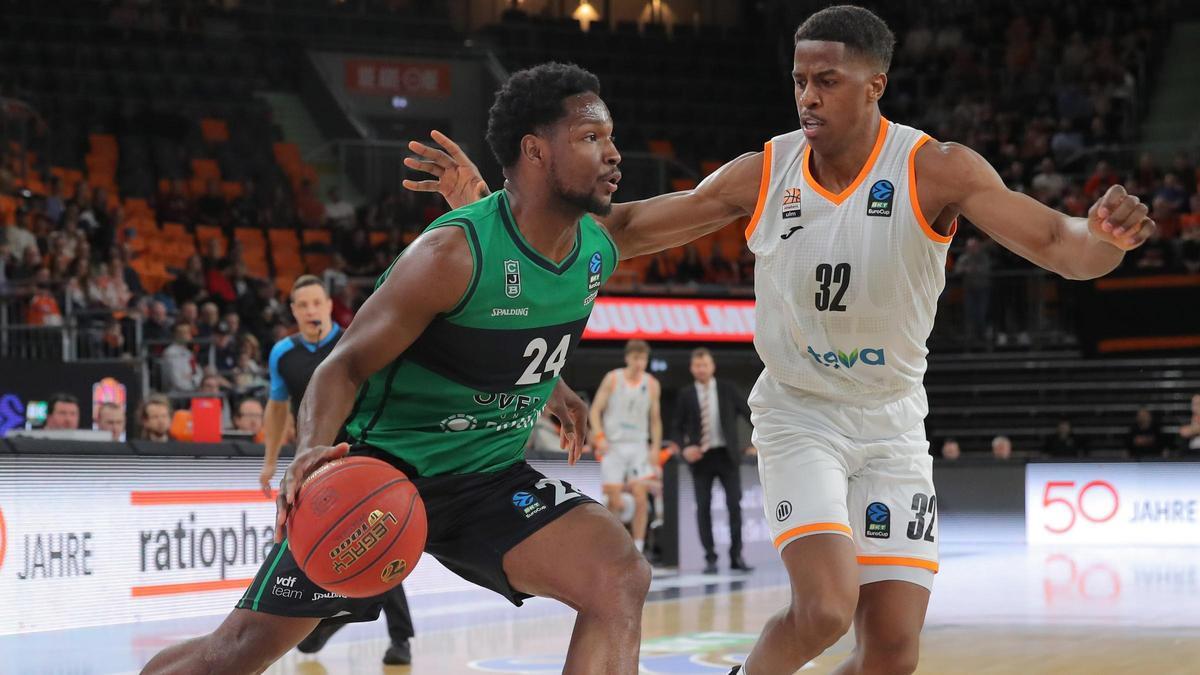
x=791 y=203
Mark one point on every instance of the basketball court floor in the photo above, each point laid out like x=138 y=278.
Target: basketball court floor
x=998 y=607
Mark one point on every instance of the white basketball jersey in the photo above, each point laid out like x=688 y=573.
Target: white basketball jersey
x=847 y=284
x=627 y=415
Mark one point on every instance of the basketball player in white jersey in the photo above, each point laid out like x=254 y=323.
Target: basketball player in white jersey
x=850 y=219
x=627 y=435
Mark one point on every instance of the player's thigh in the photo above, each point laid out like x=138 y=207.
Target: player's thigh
x=583 y=554
x=893 y=510
x=640 y=489
x=612 y=495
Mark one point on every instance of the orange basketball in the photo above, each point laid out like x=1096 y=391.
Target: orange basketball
x=357 y=527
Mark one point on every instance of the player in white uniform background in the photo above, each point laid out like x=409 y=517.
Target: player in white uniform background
x=850 y=217
x=627 y=434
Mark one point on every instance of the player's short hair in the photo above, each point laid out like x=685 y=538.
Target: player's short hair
x=303 y=281
x=860 y=29
x=637 y=347
x=530 y=100
x=60 y=397
x=701 y=352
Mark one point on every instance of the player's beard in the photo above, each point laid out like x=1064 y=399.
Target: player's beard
x=587 y=201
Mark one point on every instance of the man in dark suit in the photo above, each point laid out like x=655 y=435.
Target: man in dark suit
x=705 y=426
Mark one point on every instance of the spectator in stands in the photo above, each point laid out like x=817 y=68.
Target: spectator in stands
x=233 y=321
x=180 y=372
x=658 y=271
x=1064 y=444
x=25 y=270
x=210 y=316
x=190 y=284
x=344 y=306
x=249 y=417
x=334 y=277
x=189 y=314
x=1145 y=439
x=174 y=207
x=308 y=207
x=56 y=201
x=75 y=292
x=1101 y=179
x=359 y=255
x=213 y=385
x=155 y=418
x=62 y=412
x=951 y=450
x=338 y=211
x=112 y=340
x=690 y=270
x=210 y=207
x=1190 y=432
x=224 y=351
x=43 y=309
x=975 y=266
x=1048 y=184
x=122 y=271
x=1001 y=448
x=108 y=290
x=17 y=238
x=111 y=418
x=720 y=270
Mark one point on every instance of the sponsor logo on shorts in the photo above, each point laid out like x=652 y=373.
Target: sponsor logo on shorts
x=325 y=595
x=285 y=587
x=527 y=503
x=459 y=422
x=838 y=359
x=880 y=202
x=783 y=510
x=879 y=521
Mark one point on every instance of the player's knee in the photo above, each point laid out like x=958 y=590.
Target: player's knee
x=890 y=655
x=824 y=619
x=621 y=583
x=241 y=644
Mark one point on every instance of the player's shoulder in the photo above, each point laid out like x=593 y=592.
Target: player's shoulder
x=945 y=163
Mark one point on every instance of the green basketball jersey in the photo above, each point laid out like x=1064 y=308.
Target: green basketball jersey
x=464 y=397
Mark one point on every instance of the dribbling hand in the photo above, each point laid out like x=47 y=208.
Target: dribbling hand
x=1120 y=219
x=458 y=179
x=264 y=478
x=306 y=461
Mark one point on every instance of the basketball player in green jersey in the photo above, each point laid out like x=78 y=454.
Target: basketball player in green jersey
x=443 y=373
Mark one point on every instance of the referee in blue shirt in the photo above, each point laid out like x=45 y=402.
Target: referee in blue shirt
x=293 y=360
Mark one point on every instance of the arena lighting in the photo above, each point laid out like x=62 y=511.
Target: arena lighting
x=585 y=14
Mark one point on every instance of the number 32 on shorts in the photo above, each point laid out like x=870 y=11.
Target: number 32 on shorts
x=923 y=506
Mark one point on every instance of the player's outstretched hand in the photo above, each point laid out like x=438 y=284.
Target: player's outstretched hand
x=1120 y=219
x=305 y=462
x=457 y=178
x=572 y=414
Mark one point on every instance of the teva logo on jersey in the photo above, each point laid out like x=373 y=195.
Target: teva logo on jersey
x=512 y=278
x=838 y=359
x=880 y=203
x=791 y=203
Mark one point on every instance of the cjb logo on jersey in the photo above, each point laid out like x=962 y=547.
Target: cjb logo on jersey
x=512 y=278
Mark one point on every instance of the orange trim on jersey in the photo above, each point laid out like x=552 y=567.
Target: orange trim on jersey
x=764 y=184
x=916 y=204
x=862 y=174
x=900 y=561
x=813 y=528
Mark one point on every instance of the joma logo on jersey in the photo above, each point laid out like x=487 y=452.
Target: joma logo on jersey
x=512 y=278
x=838 y=359
x=791 y=203
x=880 y=201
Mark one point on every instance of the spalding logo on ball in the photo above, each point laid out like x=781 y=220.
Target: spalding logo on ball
x=358 y=527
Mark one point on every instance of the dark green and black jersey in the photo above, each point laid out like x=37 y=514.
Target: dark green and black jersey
x=464 y=397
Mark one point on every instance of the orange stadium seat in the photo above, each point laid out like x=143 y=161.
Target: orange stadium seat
x=378 y=238
x=661 y=148
x=214 y=130
x=205 y=169
x=231 y=190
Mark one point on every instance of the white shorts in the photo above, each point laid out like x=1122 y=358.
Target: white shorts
x=625 y=462
x=831 y=468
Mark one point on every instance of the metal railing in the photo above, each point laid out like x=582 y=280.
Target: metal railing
x=76 y=335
